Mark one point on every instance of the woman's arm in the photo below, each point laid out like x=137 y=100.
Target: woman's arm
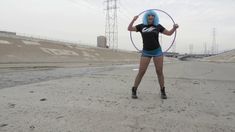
x=167 y=32
x=131 y=27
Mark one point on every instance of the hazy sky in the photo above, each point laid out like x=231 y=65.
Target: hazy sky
x=84 y=20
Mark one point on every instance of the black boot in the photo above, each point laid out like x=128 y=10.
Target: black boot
x=163 y=93
x=134 y=93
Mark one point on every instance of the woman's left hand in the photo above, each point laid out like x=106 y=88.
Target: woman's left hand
x=175 y=26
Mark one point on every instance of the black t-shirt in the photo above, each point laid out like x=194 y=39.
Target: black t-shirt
x=150 y=35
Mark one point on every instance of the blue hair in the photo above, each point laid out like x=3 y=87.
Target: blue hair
x=151 y=12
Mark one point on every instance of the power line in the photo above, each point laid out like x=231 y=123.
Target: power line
x=85 y=4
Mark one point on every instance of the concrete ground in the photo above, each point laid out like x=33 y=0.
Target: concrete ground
x=201 y=98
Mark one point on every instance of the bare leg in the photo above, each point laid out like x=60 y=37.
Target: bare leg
x=158 y=62
x=144 y=62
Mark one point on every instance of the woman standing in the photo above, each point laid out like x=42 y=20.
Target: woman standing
x=150 y=29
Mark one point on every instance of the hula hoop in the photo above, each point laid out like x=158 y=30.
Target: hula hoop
x=174 y=32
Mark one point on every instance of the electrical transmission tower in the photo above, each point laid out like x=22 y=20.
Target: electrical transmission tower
x=111 y=26
x=214 y=46
x=191 y=49
x=205 y=48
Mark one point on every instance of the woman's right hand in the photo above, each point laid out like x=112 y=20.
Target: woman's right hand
x=131 y=27
x=175 y=26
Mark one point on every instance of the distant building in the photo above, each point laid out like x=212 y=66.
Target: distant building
x=102 y=42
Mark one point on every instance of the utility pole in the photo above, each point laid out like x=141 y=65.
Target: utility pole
x=214 y=49
x=161 y=38
x=111 y=26
x=191 y=49
x=174 y=47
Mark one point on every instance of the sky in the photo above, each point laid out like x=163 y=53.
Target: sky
x=83 y=20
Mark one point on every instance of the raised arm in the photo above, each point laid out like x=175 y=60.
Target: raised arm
x=131 y=27
x=170 y=32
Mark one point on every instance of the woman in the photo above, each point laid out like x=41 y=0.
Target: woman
x=150 y=29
